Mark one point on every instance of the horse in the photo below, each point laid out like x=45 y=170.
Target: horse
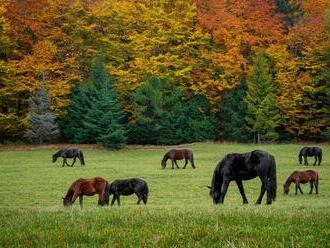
x=69 y=153
x=175 y=155
x=310 y=152
x=89 y=187
x=127 y=187
x=244 y=166
x=298 y=177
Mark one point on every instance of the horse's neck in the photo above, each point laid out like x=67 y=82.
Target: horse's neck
x=289 y=181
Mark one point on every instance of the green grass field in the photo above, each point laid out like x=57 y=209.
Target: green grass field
x=179 y=212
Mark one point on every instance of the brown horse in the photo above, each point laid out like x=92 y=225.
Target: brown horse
x=87 y=187
x=298 y=177
x=175 y=155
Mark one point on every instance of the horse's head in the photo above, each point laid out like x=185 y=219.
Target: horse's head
x=163 y=163
x=54 y=158
x=286 y=189
x=66 y=202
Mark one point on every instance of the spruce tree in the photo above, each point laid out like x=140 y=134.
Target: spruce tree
x=262 y=114
x=95 y=115
x=42 y=126
x=148 y=103
x=232 y=115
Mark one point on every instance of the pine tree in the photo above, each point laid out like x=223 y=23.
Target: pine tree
x=42 y=126
x=262 y=114
x=232 y=115
x=148 y=103
x=95 y=115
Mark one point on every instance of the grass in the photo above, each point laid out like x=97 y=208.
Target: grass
x=179 y=212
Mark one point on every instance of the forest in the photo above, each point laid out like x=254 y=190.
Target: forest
x=118 y=72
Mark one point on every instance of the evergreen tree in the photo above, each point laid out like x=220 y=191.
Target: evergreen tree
x=95 y=115
x=232 y=115
x=42 y=126
x=262 y=114
x=148 y=103
x=163 y=115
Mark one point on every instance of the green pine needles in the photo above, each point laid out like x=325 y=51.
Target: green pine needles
x=95 y=115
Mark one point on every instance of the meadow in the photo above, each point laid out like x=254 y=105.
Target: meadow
x=179 y=212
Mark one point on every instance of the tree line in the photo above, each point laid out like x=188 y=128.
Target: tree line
x=170 y=71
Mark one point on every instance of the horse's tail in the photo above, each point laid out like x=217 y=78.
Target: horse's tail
x=300 y=157
x=192 y=160
x=81 y=155
x=273 y=179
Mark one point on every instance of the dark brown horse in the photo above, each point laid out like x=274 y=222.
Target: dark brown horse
x=298 y=177
x=175 y=155
x=88 y=187
x=69 y=153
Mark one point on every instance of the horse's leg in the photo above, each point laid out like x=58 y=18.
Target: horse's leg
x=192 y=163
x=176 y=164
x=113 y=200
x=172 y=163
x=224 y=189
x=118 y=200
x=315 y=160
x=300 y=189
x=312 y=186
x=241 y=190
x=144 y=198
x=101 y=199
x=140 y=199
x=296 y=188
x=316 y=186
x=305 y=158
x=81 y=201
x=262 y=192
x=185 y=163
x=74 y=160
x=64 y=160
x=74 y=197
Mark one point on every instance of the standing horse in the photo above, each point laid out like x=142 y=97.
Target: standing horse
x=69 y=153
x=88 y=187
x=310 y=152
x=175 y=155
x=298 y=177
x=238 y=167
x=127 y=187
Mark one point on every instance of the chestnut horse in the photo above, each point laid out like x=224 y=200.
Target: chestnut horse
x=297 y=177
x=175 y=155
x=87 y=187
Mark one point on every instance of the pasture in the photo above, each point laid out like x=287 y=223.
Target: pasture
x=179 y=212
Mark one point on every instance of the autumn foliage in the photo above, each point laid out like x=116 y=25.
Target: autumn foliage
x=202 y=47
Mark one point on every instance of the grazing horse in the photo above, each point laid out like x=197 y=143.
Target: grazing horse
x=310 y=152
x=69 y=153
x=298 y=177
x=127 y=187
x=175 y=155
x=87 y=187
x=244 y=166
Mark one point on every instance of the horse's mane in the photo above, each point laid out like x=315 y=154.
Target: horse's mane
x=288 y=180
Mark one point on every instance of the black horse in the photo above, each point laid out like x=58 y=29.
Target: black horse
x=127 y=187
x=69 y=153
x=238 y=167
x=310 y=152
